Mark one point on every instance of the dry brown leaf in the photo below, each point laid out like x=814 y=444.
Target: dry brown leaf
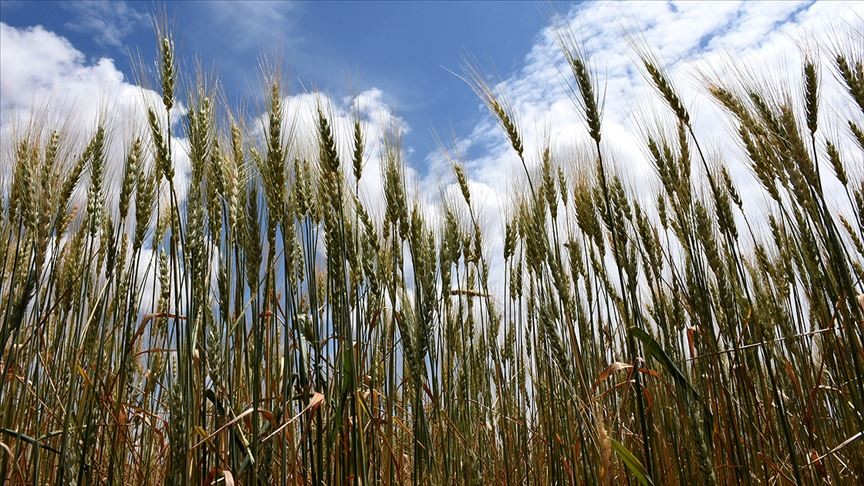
x=616 y=366
x=314 y=403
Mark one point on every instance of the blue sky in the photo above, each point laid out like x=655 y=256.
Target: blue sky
x=404 y=49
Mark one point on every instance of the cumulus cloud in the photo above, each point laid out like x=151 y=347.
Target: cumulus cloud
x=48 y=84
x=42 y=68
x=46 y=77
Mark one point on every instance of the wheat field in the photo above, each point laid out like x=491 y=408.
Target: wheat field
x=268 y=327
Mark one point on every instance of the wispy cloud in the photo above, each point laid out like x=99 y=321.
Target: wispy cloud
x=686 y=36
x=749 y=37
x=109 y=23
x=245 y=25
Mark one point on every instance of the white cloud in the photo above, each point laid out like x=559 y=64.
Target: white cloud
x=686 y=36
x=46 y=77
x=40 y=67
x=48 y=84
x=763 y=37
